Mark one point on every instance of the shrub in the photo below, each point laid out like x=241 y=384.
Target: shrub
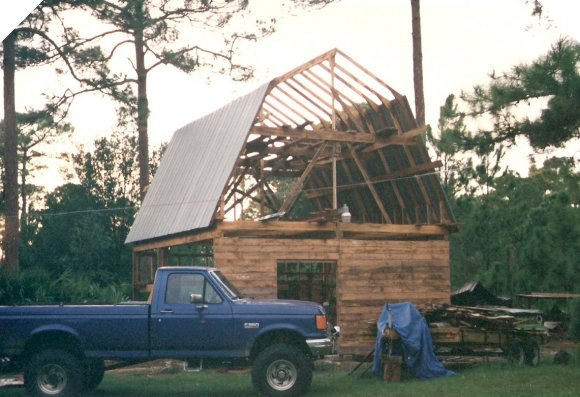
x=37 y=286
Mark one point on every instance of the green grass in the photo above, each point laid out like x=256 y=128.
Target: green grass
x=497 y=380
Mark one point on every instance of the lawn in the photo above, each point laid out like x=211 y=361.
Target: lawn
x=495 y=379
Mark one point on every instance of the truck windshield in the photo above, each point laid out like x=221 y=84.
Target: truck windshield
x=228 y=288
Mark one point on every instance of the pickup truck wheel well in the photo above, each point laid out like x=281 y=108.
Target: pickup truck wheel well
x=52 y=340
x=279 y=337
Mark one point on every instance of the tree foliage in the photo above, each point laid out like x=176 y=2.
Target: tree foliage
x=449 y=144
x=517 y=234
x=152 y=30
x=37 y=130
x=35 y=42
x=471 y=161
x=553 y=81
x=525 y=235
x=82 y=227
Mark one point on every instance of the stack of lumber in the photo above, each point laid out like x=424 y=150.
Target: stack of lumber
x=474 y=317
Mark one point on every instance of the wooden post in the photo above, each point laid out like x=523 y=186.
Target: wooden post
x=162 y=254
x=262 y=191
x=334 y=192
x=221 y=212
x=334 y=146
x=135 y=275
x=391 y=364
x=392 y=368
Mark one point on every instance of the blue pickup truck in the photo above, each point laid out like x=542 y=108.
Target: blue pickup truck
x=193 y=314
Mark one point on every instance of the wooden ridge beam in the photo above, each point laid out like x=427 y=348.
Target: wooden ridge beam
x=336 y=136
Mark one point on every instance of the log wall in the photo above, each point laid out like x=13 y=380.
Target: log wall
x=369 y=274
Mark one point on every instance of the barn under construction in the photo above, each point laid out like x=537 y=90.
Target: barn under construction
x=316 y=185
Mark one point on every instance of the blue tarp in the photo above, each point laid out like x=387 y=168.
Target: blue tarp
x=417 y=345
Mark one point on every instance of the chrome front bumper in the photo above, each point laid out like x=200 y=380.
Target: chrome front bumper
x=320 y=347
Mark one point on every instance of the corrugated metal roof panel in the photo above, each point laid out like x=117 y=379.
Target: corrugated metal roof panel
x=194 y=170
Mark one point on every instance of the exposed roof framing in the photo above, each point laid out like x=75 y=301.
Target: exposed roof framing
x=340 y=134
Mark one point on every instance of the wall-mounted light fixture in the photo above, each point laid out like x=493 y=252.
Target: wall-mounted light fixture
x=344 y=213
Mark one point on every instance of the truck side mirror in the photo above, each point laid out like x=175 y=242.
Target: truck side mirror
x=195 y=298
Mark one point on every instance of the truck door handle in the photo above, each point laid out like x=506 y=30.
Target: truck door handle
x=167 y=311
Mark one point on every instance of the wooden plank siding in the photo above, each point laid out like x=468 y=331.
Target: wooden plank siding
x=370 y=273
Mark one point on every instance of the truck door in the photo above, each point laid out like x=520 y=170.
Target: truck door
x=190 y=319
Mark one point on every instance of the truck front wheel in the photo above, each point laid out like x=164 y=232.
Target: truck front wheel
x=53 y=373
x=282 y=371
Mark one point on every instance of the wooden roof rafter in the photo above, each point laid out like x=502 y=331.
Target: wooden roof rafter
x=369 y=183
x=270 y=197
x=350 y=186
x=351 y=117
x=395 y=188
x=244 y=194
x=363 y=85
x=315 y=112
x=371 y=75
x=299 y=184
x=347 y=90
x=282 y=110
x=234 y=182
x=310 y=94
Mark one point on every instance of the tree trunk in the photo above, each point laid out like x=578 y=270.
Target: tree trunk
x=418 y=63
x=11 y=227
x=142 y=101
x=23 y=192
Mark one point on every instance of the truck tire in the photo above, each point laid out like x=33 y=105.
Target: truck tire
x=282 y=371
x=516 y=353
x=532 y=353
x=94 y=373
x=53 y=373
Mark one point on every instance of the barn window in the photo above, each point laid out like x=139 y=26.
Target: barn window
x=309 y=280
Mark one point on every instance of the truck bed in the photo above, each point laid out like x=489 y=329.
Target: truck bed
x=122 y=330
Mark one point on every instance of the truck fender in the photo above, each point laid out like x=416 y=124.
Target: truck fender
x=53 y=336
x=55 y=328
x=276 y=334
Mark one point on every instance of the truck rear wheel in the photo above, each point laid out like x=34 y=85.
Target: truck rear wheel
x=282 y=371
x=53 y=373
x=94 y=373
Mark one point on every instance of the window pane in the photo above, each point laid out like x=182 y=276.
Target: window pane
x=308 y=280
x=180 y=287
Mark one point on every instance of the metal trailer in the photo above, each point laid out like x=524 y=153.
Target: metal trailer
x=518 y=339
x=520 y=345
x=514 y=333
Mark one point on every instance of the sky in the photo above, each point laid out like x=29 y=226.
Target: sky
x=463 y=41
